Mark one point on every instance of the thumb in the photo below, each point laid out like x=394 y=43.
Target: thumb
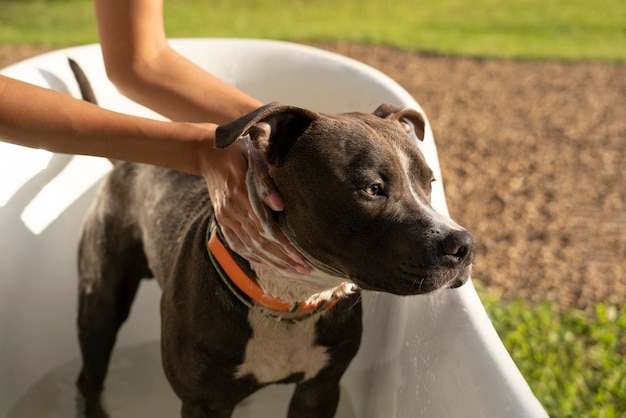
x=274 y=201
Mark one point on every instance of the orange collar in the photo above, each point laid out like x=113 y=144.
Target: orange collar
x=248 y=291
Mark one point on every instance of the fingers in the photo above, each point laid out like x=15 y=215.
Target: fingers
x=241 y=191
x=262 y=192
x=277 y=252
x=264 y=184
x=256 y=244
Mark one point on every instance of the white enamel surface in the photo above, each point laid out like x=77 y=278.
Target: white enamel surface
x=424 y=356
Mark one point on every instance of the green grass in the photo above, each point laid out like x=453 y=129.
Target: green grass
x=536 y=29
x=573 y=361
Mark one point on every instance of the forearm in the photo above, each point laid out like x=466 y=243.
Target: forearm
x=178 y=89
x=141 y=64
x=40 y=118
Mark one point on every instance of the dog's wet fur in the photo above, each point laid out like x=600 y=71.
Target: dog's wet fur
x=356 y=190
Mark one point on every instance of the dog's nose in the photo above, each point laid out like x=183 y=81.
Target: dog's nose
x=457 y=246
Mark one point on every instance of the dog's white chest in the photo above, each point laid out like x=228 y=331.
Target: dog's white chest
x=277 y=350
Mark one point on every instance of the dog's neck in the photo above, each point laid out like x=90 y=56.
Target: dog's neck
x=281 y=294
x=313 y=289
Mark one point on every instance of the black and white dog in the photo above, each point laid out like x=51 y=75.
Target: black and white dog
x=356 y=190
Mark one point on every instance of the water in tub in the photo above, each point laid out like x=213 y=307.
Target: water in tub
x=136 y=387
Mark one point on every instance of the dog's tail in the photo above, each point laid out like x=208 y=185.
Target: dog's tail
x=86 y=92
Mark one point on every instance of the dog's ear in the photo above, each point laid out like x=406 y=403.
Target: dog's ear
x=273 y=129
x=417 y=122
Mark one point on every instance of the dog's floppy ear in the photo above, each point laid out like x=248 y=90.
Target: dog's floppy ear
x=391 y=111
x=273 y=129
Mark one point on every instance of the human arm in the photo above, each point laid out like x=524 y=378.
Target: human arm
x=36 y=117
x=143 y=66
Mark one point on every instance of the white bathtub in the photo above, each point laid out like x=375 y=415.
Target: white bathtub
x=423 y=356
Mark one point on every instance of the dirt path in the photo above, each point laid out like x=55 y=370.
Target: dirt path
x=534 y=163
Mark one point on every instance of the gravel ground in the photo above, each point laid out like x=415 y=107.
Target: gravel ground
x=533 y=156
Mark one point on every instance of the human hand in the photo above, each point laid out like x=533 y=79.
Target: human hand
x=242 y=192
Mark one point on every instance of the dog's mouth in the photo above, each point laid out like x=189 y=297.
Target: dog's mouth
x=456 y=283
x=405 y=284
x=461 y=278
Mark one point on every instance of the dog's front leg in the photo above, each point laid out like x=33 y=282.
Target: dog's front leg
x=316 y=398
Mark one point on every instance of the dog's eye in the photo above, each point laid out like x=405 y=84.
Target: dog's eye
x=375 y=189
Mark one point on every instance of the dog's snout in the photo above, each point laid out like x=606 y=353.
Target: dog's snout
x=458 y=245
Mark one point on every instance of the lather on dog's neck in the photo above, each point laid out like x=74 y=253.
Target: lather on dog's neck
x=282 y=294
x=313 y=288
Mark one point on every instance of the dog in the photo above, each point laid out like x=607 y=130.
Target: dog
x=356 y=190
